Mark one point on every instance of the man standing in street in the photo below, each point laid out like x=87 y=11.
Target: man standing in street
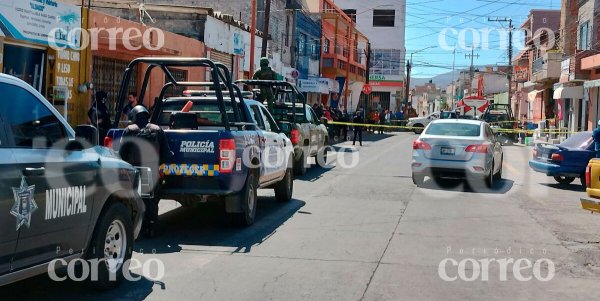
x=132 y=103
x=99 y=116
x=357 y=128
x=136 y=137
x=596 y=136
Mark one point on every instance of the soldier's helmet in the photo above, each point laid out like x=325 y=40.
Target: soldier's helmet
x=138 y=112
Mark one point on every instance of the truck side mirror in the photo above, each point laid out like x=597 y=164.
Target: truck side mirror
x=88 y=133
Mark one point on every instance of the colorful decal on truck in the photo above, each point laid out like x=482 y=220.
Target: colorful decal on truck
x=206 y=170
x=197 y=147
x=24 y=204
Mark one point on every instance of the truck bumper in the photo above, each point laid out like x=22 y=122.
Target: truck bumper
x=592 y=205
x=223 y=185
x=551 y=169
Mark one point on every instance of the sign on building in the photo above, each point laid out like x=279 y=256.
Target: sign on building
x=43 y=22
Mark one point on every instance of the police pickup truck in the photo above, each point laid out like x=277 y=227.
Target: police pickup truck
x=308 y=135
x=225 y=147
x=61 y=198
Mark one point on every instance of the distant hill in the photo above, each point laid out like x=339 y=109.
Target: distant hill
x=441 y=81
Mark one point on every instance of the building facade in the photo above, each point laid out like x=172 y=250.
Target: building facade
x=383 y=23
x=36 y=47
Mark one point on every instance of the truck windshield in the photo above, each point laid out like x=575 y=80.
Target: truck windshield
x=207 y=111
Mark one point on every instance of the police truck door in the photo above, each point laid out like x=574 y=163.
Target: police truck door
x=57 y=186
x=9 y=178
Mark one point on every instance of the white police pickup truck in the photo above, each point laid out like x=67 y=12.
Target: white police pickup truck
x=61 y=197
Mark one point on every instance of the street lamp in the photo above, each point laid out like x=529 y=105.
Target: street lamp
x=408 y=68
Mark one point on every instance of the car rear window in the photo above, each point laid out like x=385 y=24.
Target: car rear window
x=448 y=115
x=207 y=112
x=581 y=140
x=454 y=129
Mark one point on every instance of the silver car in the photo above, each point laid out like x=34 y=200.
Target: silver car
x=457 y=148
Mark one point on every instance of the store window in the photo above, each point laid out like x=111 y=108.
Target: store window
x=28 y=64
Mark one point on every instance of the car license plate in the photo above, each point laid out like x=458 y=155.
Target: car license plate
x=447 y=151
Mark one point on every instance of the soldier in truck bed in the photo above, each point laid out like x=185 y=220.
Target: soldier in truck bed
x=136 y=138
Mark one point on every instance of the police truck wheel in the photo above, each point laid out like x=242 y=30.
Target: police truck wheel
x=300 y=165
x=111 y=246
x=285 y=188
x=247 y=199
x=322 y=156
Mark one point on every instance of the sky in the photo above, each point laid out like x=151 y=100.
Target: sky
x=449 y=23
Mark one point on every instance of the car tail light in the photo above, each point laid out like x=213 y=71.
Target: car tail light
x=478 y=148
x=418 y=144
x=557 y=157
x=226 y=155
x=295 y=136
x=108 y=142
x=588 y=176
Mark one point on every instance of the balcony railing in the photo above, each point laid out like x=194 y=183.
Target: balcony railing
x=546 y=67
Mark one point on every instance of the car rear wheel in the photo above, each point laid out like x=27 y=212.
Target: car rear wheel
x=564 y=180
x=248 y=199
x=583 y=183
x=490 y=179
x=418 y=128
x=285 y=188
x=418 y=180
x=111 y=246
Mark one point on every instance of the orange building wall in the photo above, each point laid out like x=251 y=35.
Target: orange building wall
x=174 y=45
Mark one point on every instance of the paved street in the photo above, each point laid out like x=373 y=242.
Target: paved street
x=367 y=233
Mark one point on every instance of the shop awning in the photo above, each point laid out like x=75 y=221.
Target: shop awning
x=531 y=96
x=591 y=84
x=569 y=92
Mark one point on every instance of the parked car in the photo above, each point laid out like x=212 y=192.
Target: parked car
x=457 y=148
x=419 y=123
x=565 y=161
x=212 y=140
x=308 y=135
x=500 y=117
x=61 y=196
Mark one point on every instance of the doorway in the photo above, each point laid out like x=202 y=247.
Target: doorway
x=27 y=64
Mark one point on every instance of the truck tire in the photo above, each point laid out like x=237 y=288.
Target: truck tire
x=322 y=153
x=285 y=188
x=247 y=199
x=112 y=246
x=300 y=165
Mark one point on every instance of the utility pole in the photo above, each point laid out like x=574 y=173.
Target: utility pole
x=472 y=68
x=510 y=51
x=253 y=38
x=263 y=51
x=453 y=68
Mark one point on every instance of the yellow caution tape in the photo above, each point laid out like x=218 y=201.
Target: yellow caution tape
x=499 y=130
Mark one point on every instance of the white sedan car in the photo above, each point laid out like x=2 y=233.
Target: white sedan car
x=457 y=148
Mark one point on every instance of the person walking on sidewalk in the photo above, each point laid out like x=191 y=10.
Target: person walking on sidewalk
x=357 y=128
